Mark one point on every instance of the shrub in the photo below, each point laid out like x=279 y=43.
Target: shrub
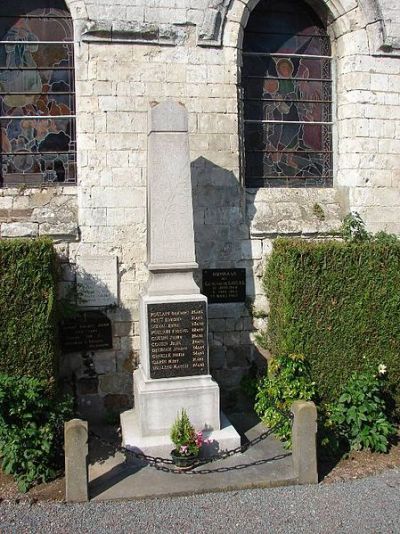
x=335 y=301
x=183 y=435
x=31 y=429
x=359 y=415
x=288 y=380
x=28 y=328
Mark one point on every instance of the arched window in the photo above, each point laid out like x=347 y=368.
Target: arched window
x=287 y=97
x=37 y=93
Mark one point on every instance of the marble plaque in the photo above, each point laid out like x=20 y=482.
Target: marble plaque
x=97 y=281
x=177 y=339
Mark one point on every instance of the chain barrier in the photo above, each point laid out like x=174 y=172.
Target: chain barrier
x=160 y=463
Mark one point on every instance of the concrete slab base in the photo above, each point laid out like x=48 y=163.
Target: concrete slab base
x=224 y=439
x=119 y=476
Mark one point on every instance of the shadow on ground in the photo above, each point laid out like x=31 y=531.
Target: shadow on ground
x=115 y=475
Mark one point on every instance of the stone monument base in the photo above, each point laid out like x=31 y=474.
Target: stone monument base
x=157 y=402
x=146 y=428
x=224 y=439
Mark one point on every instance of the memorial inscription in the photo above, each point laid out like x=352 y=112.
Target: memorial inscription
x=177 y=339
x=224 y=285
x=90 y=330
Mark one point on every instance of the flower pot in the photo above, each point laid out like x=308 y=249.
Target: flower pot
x=183 y=461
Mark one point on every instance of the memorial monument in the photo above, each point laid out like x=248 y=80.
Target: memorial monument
x=174 y=369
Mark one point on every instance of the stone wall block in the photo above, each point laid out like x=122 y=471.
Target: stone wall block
x=19 y=229
x=6 y=202
x=123 y=328
x=116 y=402
x=88 y=385
x=115 y=383
x=251 y=249
x=104 y=362
x=20 y=214
x=59 y=230
x=217 y=357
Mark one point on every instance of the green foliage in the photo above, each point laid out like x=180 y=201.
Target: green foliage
x=359 y=415
x=184 y=436
x=335 y=301
x=388 y=239
x=28 y=325
x=353 y=228
x=288 y=380
x=31 y=426
x=249 y=386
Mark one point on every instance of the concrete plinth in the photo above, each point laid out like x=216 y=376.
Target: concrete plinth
x=158 y=402
x=146 y=428
x=225 y=438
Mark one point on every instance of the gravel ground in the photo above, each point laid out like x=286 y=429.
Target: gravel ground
x=368 y=505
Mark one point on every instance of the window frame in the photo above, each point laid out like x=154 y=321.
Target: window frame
x=57 y=163
x=327 y=180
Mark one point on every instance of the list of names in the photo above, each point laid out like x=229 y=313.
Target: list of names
x=177 y=339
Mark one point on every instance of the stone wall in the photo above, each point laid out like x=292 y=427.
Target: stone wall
x=52 y=211
x=130 y=53
x=390 y=14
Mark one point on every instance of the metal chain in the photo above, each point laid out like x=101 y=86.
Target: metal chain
x=160 y=463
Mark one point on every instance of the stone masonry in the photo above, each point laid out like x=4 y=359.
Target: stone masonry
x=132 y=53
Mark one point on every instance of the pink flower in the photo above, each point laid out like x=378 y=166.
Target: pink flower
x=183 y=449
x=199 y=439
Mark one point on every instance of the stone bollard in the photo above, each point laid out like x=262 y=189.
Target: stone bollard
x=304 y=442
x=76 y=460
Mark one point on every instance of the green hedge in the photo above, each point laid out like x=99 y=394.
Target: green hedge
x=28 y=327
x=337 y=303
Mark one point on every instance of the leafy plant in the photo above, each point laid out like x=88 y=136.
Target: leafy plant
x=248 y=384
x=31 y=429
x=183 y=435
x=360 y=412
x=288 y=379
x=353 y=228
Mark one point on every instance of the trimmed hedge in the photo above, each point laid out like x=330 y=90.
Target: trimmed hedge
x=28 y=322
x=337 y=303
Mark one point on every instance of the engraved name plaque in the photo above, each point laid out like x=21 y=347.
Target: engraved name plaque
x=177 y=339
x=89 y=330
x=224 y=285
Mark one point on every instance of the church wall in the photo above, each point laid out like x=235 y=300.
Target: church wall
x=130 y=54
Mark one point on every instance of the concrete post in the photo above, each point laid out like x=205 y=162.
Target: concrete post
x=76 y=460
x=304 y=442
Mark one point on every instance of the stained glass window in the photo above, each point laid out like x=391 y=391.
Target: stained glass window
x=37 y=93
x=287 y=97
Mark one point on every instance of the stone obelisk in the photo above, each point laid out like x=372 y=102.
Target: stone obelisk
x=174 y=369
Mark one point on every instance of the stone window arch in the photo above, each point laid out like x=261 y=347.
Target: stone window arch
x=287 y=97
x=37 y=93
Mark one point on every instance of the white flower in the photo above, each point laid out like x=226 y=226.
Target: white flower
x=382 y=369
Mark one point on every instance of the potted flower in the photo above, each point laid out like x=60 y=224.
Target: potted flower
x=186 y=440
